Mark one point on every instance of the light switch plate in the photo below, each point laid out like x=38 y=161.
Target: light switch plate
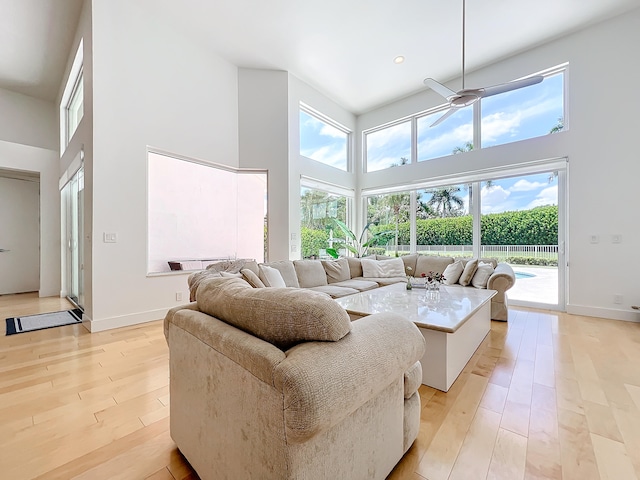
x=109 y=237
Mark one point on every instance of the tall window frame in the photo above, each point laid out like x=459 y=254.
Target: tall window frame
x=72 y=101
x=333 y=192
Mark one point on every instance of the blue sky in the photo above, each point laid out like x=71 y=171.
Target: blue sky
x=517 y=115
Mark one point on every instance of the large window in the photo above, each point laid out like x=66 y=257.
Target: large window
x=72 y=101
x=391 y=212
x=525 y=113
x=201 y=212
x=444 y=225
x=318 y=209
x=528 y=112
x=446 y=137
x=388 y=146
x=323 y=140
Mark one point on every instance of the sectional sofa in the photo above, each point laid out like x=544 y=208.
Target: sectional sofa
x=347 y=276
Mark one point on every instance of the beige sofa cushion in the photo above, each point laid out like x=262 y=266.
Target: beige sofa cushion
x=271 y=277
x=285 y=267
x=431 y=263
x=481 y=277
x=334 y=291
x=310 y=273
x=410 y=263
x=355 y=267
x=467 y=274
x=394 y=267
x=280 y=316
x=453 y=272
x=252 y=278
x=337 y=270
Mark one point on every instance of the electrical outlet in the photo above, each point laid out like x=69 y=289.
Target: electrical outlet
x=617 y=298
x=294 y=248
x=594 y=239
x=178 y=296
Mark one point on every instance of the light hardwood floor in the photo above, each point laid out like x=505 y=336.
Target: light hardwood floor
x=546 y=396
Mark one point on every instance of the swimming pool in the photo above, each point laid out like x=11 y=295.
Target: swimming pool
x=524 y=275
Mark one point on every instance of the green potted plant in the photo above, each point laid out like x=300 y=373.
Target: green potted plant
x=359 y=246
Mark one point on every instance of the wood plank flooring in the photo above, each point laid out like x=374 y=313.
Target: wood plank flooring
x=546 y=396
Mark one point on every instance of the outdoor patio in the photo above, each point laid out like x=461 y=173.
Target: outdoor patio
x=541 y=287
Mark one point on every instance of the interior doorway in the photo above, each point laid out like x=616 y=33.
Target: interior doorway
x=20 y=232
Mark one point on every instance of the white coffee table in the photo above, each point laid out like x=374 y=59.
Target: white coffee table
x=453 y=322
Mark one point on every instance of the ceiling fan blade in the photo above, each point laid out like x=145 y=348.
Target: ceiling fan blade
x=449 y=112
x=440 y=89
x=509 y=86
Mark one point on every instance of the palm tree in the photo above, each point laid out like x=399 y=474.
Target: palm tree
x=398 y=205
x=445 y=201
x=403 y=161
x=468 y=146
x=558 y=127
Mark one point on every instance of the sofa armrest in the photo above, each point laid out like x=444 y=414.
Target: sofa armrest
x=169 y=316
x=324 y=382
x=502 y=279
x=253 y=354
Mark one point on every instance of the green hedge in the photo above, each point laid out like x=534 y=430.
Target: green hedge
x=538 y=226
x=545 y=262
x=312 y=241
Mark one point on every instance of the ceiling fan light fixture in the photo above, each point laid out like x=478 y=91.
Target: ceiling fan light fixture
x=468 y=96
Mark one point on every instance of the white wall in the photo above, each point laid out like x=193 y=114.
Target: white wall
x=600 y=144
x=263 y=143
x=27 y=120
x=28 y=140
x=153 y=86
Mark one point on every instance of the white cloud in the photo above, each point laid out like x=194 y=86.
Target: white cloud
x=526 y=186
x=333 y=132
x=548 y=196
x=328 y=155
x=508 y=122
x=457 y=137
x=493 y=199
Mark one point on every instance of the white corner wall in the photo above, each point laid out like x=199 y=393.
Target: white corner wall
x=600 y=144
x=152 y=86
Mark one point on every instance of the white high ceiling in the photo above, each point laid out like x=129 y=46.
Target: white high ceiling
x=343 y=48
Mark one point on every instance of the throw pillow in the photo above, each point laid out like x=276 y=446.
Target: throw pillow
x=252 y=278
x=271 y=277
x=481 y=277
x=281 y=316
x=467 y=273
x=393 y=267
x=337 y=270
x=310 y=273
x=230 y=275
x=453 y=272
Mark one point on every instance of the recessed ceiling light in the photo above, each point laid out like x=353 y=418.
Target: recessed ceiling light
x=398 y=59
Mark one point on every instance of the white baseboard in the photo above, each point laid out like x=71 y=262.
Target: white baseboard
x=613 y=314
x=125 y=320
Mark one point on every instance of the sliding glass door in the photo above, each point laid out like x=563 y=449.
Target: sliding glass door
x=521 y=222
x=518 y=219
x=73 y=215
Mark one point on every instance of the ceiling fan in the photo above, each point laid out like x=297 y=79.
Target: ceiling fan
x=468 y=96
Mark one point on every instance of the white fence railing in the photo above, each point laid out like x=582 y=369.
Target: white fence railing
x=502 y=251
